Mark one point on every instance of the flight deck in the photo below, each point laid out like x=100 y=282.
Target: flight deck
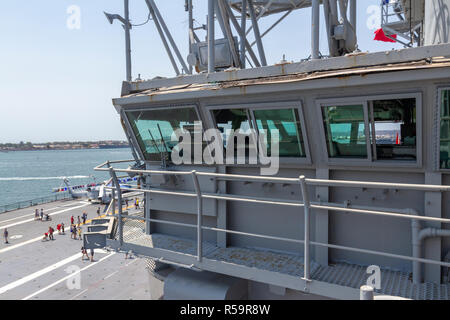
x=34 y=269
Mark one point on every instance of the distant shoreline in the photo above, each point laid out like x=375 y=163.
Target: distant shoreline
x=10 y=147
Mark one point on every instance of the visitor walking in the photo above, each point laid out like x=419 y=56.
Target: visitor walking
x=5 y=235
x=62 y=228
x=79 y=221
x=58 y=227
x=42 y=214
x=72 y=220
x=84 y=217
x=98 y=211
x=50 y=233
x=92 y=255
x=73 y=231
x=79 y=232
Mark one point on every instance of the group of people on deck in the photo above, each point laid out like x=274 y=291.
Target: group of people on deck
x=41 y=216
x=75 y=229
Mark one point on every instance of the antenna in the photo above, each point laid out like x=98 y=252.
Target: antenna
x=127 y=27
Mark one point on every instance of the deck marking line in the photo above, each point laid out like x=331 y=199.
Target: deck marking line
x=51 y=214
x=46 y=270
x=74 y=297
x=39 y=273
x=32 y=214
x=67 y=277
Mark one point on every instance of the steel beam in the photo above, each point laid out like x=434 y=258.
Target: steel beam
x=211 y=37
x=227 y=30
x=242 y=35
x=166 y=45
x=262 y=55
x=337 y=63
x=151 y=4
x=315 y=29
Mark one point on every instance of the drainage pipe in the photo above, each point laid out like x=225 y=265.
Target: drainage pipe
x=418 y=236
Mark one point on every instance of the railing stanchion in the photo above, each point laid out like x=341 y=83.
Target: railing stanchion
x=306 y=205
x=119 y=199
x=199 y=216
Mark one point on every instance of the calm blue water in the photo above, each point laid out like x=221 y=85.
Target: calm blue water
x=27 y=175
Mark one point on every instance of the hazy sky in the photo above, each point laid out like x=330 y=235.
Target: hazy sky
x=56 y=83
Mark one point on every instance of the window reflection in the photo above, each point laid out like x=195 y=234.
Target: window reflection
x=445 y=130
x=154 y=128
x=395 y=128
x=345 y=131
x=287 y=122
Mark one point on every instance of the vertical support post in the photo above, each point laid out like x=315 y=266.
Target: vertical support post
x=211 y=37
x=315 y=29
x=306 y=206
x=243 y=36
x=199 y=216
x=147 y=207
x=366 y=293
x=128 y=39
x=191 y=27
x=416 y=247
x=353 y=13
x=119 y=199
x=262 y=55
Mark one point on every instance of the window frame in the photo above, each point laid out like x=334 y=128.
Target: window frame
x=250 y=106
x=438 y=129
x=147 y=108
x=371 y=160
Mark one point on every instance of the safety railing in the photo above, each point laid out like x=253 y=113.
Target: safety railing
x=34 y=202
x=305 y=203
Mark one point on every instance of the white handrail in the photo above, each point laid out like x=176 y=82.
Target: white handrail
x=306 y=204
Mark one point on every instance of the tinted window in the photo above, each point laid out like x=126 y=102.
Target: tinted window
x=232 y=123
x=154 y=128
x=287 y=122
x=345 y=131
x=394 y=122
x=445 y=130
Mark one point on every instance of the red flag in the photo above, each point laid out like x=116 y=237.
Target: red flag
x=381 y=36
x=397 y=141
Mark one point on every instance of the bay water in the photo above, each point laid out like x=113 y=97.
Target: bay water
x=28 y=175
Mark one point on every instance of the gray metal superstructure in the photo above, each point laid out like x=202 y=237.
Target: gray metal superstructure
x=363 y=186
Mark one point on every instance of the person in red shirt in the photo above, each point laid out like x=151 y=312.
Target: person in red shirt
x=50 y=233
x=72 y=220
x=58 y=227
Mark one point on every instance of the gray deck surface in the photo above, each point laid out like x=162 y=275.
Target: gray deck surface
x=394 y=283
x=33 y=269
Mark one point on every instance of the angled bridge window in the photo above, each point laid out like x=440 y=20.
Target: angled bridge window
x=154 y=129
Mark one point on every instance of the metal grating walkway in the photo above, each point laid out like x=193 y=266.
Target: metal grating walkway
x=393 y=283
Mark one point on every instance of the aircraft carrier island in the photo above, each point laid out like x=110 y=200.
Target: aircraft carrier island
x=327 y=178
